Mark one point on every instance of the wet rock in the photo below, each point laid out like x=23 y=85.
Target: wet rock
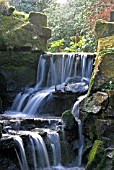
x=95 y=103
x=78 y=88
x=6 y=142
x=1 y=106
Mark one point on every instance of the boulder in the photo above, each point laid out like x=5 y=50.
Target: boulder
x=95 y=103
x=70 y=126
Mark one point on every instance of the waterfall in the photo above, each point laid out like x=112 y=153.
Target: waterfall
x=53 y=69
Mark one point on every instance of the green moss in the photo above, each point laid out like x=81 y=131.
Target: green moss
x=97 y=62
x=16 y=33
x=21 y=15
x=93 y=151
x=6 y=27
x=97 y=157
x=91 y=84
x=68 y=119
x=18 y=59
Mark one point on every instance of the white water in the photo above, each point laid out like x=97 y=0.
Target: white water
x=21 y=155
x=52 y=70
x=55 y=146
x=75 y=111
x=39 y=151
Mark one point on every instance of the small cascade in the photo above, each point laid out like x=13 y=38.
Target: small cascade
x=55 y=146
x=55 y=69
x=39 y=152
x=21 y=156
x=75 y=111
x=37 y=149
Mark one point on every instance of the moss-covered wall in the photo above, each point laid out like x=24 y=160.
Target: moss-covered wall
x=104 y=29
x=19 y=68
x=98 y=108
x=22 y=38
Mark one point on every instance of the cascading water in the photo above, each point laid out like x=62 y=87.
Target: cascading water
x=40 y=155
x=55 y=146
x=53 y=70
x=38 y=150
x=75 y=111
x=22 y=158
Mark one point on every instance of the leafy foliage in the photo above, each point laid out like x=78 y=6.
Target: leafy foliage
x=30 y=5
x=72 y=17
x=55 y=46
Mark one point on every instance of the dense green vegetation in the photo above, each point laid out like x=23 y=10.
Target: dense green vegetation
x=66 y=20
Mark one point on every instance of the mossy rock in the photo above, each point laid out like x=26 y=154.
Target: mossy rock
x=68 y=119
x=19 y=69
x=97 y=157
x=105 y=43
x=71 y=126
x=105 y=72
x=104 y=29
x=18 y=31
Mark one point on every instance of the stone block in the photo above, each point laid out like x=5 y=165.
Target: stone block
x=38 y=19
x=104 y=29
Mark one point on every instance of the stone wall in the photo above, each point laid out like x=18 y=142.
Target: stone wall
x=97 y=110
